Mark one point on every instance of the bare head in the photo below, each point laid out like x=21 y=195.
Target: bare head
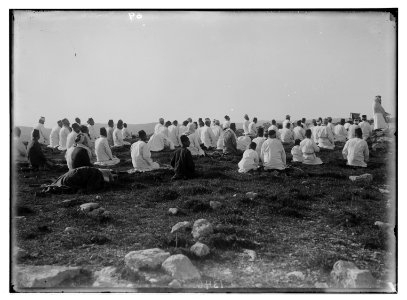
x=208 y=123
x=103 y=132
x=255 y=120
x=342 y=121
x=161 y=121
x=175 y=123
x=91 y=122
x=142 y=135
x=308 y=133
x=185 y=123
x=253 y=146
x=77 y=120
x=110 y=123
x=185 y=141
x=326 y=121
x=76 y=127
x=125 y=125
x=246 y=117
x=41 y=120
x=233 y=126
x=59 y=122
x=65 y=122
x=297 y=142
x=120 y=124
x=358 y=133
x=272 y=134
x=299 y=123
x=273 y=122
x=288 y=125
x=287 y=117
x=227 y=118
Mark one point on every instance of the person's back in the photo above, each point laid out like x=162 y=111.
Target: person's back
x=102 y=149
x=117 y=137
x=229 y=141
x=308 y=148
x=141 y=155
x=287 y=135
x=173 y=134
x=79 y=157
x=351 y=131
x=207 y=136
x=63 y=137
x=243 y=142
x=296 y=152
x=366 y=129
x=299 y=133
x=356 y=150
x=34 y=152
x=325 y=136
x=340 y=133
x=54 y=137
x=273 y=153
x=182 y=162
x=259 y=142
x=250 y=159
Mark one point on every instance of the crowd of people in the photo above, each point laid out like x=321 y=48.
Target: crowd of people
x=259 y=146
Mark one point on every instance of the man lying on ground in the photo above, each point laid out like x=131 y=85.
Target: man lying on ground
x=182 y=162
x=141 y=155
x=250 y=159
x=356 y=151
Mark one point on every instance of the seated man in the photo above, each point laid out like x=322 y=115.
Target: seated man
x=34 y=152
x=182 y=162
x=63 y=134
x=126 y=133
x=356 y=151
x=88 y=179
x=298 y=131
x=41 y=129
x=230 y=141
x=118 y=135
x=141 y=155
x=366 y=128
x=253 y=128
x=104 y=155
x=325 y=136
x=259 y=140
x=207 y=136
x=250 y=159
x=20 y=151
x=192 y=135
x=109 y=130
x=272 y=153
x=243 y=142
x=76 y=129
x=287 y=135
x=173 y=133
x=54 y=135
x=308 y=148
x=352 y=127
x=159 y=142
x=340 y=132
x=78 y=155
x=296 y=151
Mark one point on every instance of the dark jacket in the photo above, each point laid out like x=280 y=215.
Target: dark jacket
x=35 y=154
x=80 y=158
x=182 y=163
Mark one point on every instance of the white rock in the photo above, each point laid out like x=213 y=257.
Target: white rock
x=200 y=249
x=173 y=211
x=215 y=204
x=180 y=267
x=180 y=225
x=44 y=276
x=70 y=230
x=87 y=207
x=107 y=277
x=346 y=275
x=384 y=191
x=252 y=254
x=365 y=177
x=296 y=274
x=175 y=284
x=251 y=195
x=201 y=229
x=321 y=285
x=385 y=226
x=145 y=259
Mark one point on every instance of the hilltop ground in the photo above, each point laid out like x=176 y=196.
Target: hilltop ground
x=305 y=221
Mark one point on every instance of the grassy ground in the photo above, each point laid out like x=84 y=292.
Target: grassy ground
x=304 y=221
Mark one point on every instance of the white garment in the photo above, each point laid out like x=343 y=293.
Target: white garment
x=92 y=133
x=207 y=137
x=20 y=154
x=54 y=137
x=164 y=131
x=198 y=132
x=217 y=131
x=126 y=133
x=304 y=126
x=366 y=129
x=273 y=154
x=252 y=129
x=194 y=146
x=226 y=124
x=182 y=130
x=308 y=148
x=314 y=133
x=259 y=142
x=118 y=138
x=249 y=161
x=287 y=135
x=325 y=138
x=299 y=133
x=70 y=140
x=159 y=141
x=141 y=157
x=356 y=152
x=103 y=151
x=297 y=153
x=379 y=121
x=158 y=127
x=243 y=142
x=221 y=141
x=346 y=126
x=351 y=131
x=340 y=133
x=173 y=135
x=43 y=139
x=332 y=126
x=278 y=132
x=109 y=131
x=63 y=136
x=285 y=124
x=246 y=126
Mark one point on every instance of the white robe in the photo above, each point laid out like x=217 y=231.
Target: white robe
x=379 y=121
x=259 y=142
x=285 y=124
x=351 y=131
x=126 y=133
x=70 y=140
x=109 y=131
x=273 y=154
x=246 y=127
x=207 y=137
x=278 y=132
x=356 y=152
x=249 y=161
x=20 y=151
x=158 y=127
x=308 y=148
x=104 y=155
x=173 y=135
x=194 y=146
x=299 y=133
x=340 y=133
x=63 y=136
x=54 y=137
x=226 y=124
x=159 y=142
x=221 y=140
x=43 y=139
x=287 y=136
x=141 y=157
x=366 y=129
x=118 y=138
x=217 y=131
x=252 y=129
x=243 y=142
x=92 y=133
x=314 y=133
x=325 y=138
x=182 y=130
x=297 y=153
x=346 y=126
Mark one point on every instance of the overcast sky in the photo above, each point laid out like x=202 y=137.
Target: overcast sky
x=144 y=65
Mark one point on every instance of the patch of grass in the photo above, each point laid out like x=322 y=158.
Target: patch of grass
x=197 y=205
x=162 y=194
x=194 y=190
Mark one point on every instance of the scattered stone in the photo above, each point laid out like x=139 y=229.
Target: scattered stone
x=384 y=226
x=365 y=177
x=98 y=197
x=106 y=214
x=180 y=267
x=69 y=202
x=98 y=212
x=201 y=228
x=234 y=195
x=200 y=249
x=145 y=259
x=346 y=275
x=175 y=284
x=180 y=225
x=173 y=211
x=107 y=277
x=251 y=195
x=296 y=274
x=321 y=285
x=215 y=204
x=258 y=285
x=19 y=253
x=252 y=254
x=87 y=207
x=70 y=230
x=44 y=276
x=384 y=191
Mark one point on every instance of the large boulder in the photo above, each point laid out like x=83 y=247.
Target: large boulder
x=201 y=229
x=145 y=259
x=346 y=275
x=44 y=276
x=180 y=226
x=200 y=249
x=180 y=267
x=107 y=277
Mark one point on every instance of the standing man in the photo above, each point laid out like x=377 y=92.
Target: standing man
x=41 y=129
x=173 y=133
x=92 y=131
x=253 y=128
x=54 y=135
x=63 y=134
x=379 y=114
x=246 y=123
x=109 y=130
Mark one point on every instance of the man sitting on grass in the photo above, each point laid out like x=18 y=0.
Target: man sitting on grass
x=78 y=155
x=141 y=155
x=356 y=151
x=296 y=151
x=20 y=153
x=308 y=148
x=103 y=152
x=34 y=152
x=273 y=153
x=250 y=159
x=230 y=141
x=182 y=162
